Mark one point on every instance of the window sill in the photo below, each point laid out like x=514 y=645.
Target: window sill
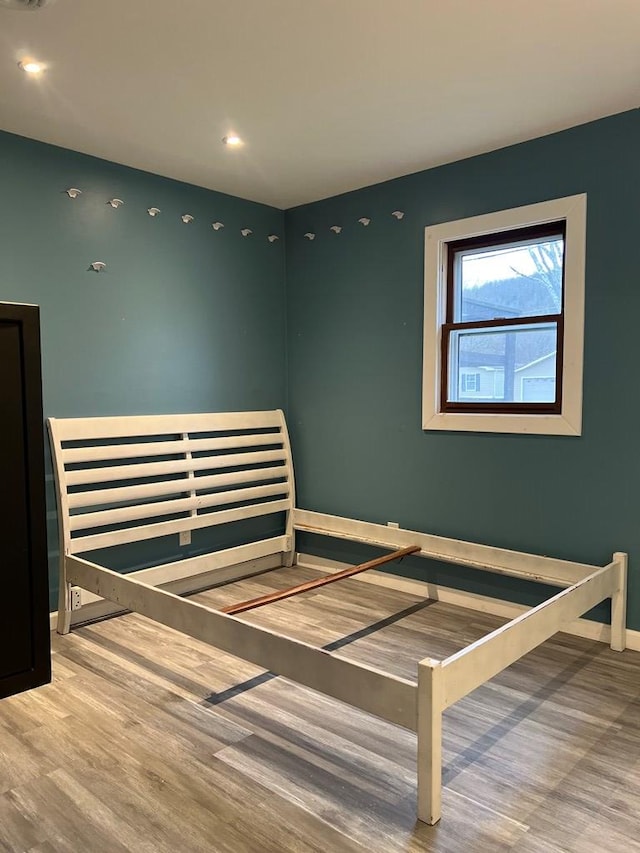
x=486 y=422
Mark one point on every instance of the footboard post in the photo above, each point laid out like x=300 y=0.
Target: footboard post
x=619 y=604
x=429 y=728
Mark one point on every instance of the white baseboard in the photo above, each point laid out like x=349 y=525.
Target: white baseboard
x=497 y=607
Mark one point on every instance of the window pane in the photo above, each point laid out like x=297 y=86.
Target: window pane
x=503 y=365
x=517 y=280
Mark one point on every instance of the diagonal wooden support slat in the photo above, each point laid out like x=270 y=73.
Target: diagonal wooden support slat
x=241 y=606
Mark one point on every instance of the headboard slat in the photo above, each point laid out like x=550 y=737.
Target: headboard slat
x=121 y=515
x=99 y=453
x=165 y=528
x=128 y=426
x=115 y=473
x=148 y=491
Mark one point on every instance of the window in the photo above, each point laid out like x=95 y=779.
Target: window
x=469 y=382
x=504 y=305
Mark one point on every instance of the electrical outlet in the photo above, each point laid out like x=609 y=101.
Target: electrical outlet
x=393 y=524
x=76 y=598
x=185 y=538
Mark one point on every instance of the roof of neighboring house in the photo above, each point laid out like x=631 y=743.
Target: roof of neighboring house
x=536 y=361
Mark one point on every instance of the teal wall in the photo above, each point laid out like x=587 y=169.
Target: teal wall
x=183 y=318
x=189 y=319
x=354 y=324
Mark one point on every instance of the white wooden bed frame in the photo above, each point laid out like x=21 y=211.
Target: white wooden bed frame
x=118 y=478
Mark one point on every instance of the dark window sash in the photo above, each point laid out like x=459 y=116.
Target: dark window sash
x=503 y=238
x=502 y=407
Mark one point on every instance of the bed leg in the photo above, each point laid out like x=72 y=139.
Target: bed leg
x=64 y=601
x=619 y=605
x=429 y=728
x=289 y=556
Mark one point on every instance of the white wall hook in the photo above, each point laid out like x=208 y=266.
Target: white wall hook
x=272 y=238
x=336 y=229
x=153 y=211
x=398 y=214
x=310 y=235
x=364 y=220
x=186 y=218
x=115 y=202
x=98 y=266
x=246 y=231
x=73 y=192
x=217 y=225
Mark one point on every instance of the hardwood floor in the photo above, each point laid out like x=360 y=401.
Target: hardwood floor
x=149 y=741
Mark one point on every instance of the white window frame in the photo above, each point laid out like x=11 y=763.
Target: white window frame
x=572 y=209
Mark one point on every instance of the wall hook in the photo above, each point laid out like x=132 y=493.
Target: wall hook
x=186 y=218
x=336 y=229
x=246 y=231
x=310 y=235
x=217 y=225
x=398 y=214
x=364 y=220
x=73 y=192
x=115 y=202
x=272 y=238
x=153 y=211
x=98 y=266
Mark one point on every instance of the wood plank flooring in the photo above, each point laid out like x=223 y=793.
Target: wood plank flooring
x=149 y=741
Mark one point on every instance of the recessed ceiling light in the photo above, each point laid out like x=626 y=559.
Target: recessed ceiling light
x=30 y=66
x=232 y=140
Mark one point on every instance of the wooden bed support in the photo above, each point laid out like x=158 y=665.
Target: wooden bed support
x=128 y=479
x=281 y=594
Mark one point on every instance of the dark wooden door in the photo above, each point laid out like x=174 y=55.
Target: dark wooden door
x=25 y=657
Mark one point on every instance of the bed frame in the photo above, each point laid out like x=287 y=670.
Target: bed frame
x=127 y=479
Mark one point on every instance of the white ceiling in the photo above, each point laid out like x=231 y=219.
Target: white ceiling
x=330 y=95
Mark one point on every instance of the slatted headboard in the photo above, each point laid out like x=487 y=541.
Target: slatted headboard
x=126 y=479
